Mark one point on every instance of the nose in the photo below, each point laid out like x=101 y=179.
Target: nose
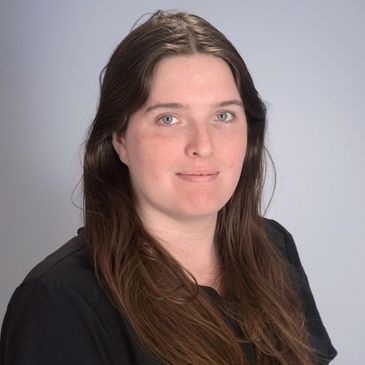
x=199 y=142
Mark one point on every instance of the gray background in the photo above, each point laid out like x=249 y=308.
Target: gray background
x=307 y=60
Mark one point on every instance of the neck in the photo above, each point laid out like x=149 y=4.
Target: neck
x=190 y=242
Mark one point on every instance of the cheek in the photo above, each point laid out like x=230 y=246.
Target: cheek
x=147 y=157
x=137 y=156
x=234 y=151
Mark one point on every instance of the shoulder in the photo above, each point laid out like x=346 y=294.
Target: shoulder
x=72 y=255
x=68 y=269
x=319 y=338
x=282 y=240
x=59 y=314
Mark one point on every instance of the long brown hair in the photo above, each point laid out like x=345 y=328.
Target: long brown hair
x=173 y=318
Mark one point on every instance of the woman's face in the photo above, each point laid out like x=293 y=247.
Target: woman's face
x=185 y=146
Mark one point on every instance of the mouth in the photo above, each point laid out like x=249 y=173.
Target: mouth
x=198 y=176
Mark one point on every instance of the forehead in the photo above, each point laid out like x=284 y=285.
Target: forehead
x=192 y=78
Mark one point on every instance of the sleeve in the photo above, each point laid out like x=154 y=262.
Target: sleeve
x=47 y=323
x=319 y=338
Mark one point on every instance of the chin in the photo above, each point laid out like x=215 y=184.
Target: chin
x=199 y=210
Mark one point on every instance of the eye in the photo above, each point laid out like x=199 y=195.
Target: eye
x=225 y=116
x=167 y=120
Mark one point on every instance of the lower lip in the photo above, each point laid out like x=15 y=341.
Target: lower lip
x=198 y=178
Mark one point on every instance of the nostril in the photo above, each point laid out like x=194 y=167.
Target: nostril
x=199 y=142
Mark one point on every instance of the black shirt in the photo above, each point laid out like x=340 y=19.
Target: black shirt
x=60 y=315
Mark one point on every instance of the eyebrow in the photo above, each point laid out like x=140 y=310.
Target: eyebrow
x=182 y=106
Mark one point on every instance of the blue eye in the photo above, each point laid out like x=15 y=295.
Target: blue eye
x=167 y=120
x=225 y=116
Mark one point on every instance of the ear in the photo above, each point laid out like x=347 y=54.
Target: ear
x=119 y=145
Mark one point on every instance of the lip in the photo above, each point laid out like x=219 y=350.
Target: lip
x=198 y=176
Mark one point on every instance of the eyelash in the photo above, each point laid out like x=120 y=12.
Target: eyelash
x=159 y=119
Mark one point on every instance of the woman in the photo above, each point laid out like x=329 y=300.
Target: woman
x=175 y=264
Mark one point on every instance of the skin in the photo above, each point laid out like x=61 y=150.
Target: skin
x=185 y=149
